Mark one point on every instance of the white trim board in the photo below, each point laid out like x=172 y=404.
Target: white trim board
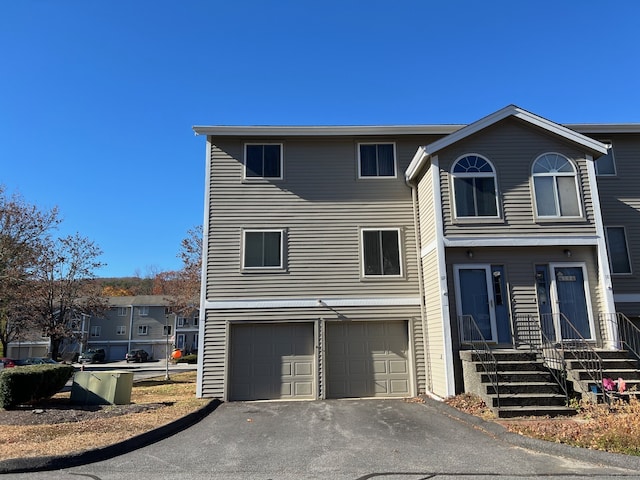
x=318 y=303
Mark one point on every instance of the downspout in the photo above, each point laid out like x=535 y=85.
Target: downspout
x=130 y=328
x=423 y=308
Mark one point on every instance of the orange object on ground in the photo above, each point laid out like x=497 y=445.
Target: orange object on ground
x=177 y=353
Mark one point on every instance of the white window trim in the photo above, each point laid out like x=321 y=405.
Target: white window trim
x=609 y=144
x=555 y=175
x=278 y=268
x=122 y=311
x=400 y=253
x=96 y=330
x=626 y=243
x=262 y=178
x=184 y=340
x=183 y=321
x=121 y=330
x=143 y=311
x=493 y=175
x=143 y=330
x=377 y=177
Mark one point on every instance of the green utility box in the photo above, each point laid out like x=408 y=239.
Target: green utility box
x=100 y=388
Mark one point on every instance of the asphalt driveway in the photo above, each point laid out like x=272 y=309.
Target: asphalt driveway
x=347 y=439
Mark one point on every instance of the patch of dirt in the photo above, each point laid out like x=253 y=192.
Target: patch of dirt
x=61 y=410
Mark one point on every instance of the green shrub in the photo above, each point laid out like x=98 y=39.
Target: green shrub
x=32 y=383
x=188 y=359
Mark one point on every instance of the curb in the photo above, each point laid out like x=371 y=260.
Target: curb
x=38 y=464
x=499 y=432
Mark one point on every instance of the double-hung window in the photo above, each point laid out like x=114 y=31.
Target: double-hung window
x=263 y=161
x=381 y=254
x=121 y=330
x=122 y=311
x=618 y=250
x=95 y=331
x=376 y=160
x=263 y=249
x=555 y=186
x=474 y=187
x=143 y=330
x=606 y=165
x=143 y=311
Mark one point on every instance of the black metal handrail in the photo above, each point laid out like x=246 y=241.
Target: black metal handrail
x=471 y=336
x=552 y=353
x=628 y=333
x=573 y=342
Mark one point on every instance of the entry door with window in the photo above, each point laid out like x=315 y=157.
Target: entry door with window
x=563 y=296
x=481 y=293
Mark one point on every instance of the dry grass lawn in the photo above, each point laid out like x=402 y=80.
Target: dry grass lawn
x=166 y=401
x=612 y=428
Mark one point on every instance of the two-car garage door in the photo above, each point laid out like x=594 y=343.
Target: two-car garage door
x=278 y=361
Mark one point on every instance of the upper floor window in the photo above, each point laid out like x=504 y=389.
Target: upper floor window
x=555 y=186
x=122 y=311
x=263 y=249
x=121 y=330
x=143 y=311
x=95 y=331
x=381 y=252
x=143 y=330
x=606 y=165
x=376 y=160
x=183 y=322
x=618 y=251
x=263 y=161
x=474 y=187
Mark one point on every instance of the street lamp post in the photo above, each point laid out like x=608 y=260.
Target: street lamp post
x=166 y=349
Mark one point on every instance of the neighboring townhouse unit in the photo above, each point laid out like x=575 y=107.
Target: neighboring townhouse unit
x=360 y=261
x=132 y=323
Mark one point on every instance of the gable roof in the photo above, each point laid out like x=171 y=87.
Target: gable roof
x=423 y=153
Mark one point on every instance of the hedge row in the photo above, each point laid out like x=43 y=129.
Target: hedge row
x=23 y=385
x=188 y=359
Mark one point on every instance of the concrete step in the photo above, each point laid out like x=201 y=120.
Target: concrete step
x=530 y=400
x=524 y=388
x=529 y=411
x=518 y=377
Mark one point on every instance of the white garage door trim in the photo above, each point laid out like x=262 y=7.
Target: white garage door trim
x=272 y=361
x=368 y=359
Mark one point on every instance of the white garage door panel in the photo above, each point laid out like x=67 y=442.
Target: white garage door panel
x=272 y=362
x=367 y=359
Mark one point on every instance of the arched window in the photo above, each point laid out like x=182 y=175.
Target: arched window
x=555 y=185
x=474 y=187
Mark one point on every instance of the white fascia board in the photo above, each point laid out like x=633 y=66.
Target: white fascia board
x=513 y=111
x=318 y=303
x=536 y=241
x=419 y=159
x=292 y=131
x=604 y=128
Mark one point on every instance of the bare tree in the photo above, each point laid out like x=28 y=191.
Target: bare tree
x=23 y=228
x=63 y=289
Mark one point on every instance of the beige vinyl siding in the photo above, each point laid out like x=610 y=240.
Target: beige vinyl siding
x=322 y=206
x=520 y=275
x=512 y=148
x=435 y=327
x=428 y=222
x=217 y=320
x=620 y=206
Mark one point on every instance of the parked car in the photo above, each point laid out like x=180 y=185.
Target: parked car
x=7 y=362
x=36 y=361
x=96 y=355
x=137 y=356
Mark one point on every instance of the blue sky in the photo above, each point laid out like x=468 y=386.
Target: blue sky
x=97 y=98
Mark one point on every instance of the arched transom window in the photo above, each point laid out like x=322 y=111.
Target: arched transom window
x=555 y=185
x=474 y=187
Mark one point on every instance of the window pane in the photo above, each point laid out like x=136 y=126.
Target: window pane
x=372 y=253
x=385 y=161
x=464 y=197
x=568 y=197
x=272 y=249
x=253 y=249
x=390 y=253
x=272 y=161
x=618 y=254
x=605 y=165
x=253 y=162
x=545 y=196
x=368 y=166
x=486 y=197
